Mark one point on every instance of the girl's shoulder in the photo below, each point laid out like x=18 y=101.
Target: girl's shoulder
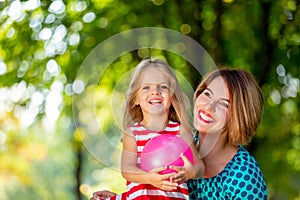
x=135 y=125
x=173 y=126
x=137 y=129
x=170 y=125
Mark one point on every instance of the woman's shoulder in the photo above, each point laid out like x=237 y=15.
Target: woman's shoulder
x=243 y=162
x=244 y=171
x=243 y=174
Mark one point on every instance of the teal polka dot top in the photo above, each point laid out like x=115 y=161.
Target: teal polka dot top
x=240 y=179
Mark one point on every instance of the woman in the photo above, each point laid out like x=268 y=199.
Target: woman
x=228 y=107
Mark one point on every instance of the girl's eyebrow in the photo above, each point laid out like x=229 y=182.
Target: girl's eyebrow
x=224 y=99
x=151 y=83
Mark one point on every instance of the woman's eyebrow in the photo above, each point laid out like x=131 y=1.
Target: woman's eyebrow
x=224 y=99
x=210 y=90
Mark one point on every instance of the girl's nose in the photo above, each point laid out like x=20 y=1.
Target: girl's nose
x=155 y=90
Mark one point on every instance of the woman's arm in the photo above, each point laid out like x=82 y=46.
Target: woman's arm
x=189 y=170
x=134 y=174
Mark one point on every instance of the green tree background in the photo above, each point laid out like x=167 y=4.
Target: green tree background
x=43 y=44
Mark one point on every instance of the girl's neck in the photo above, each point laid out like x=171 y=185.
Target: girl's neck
x=155 y=123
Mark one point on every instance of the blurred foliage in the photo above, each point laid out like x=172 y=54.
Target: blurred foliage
x=43 y=43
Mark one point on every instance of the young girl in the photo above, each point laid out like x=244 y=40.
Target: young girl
x=155 y=105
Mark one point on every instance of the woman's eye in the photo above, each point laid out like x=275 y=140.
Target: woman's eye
x=224 y=104
x=207 y=94
x=145 y=87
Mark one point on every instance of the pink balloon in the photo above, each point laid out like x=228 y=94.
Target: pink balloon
x=165 y=150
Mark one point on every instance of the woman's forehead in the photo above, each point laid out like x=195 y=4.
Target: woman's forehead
x=219 y=87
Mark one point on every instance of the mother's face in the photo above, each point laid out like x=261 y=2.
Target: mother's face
x=211 y=108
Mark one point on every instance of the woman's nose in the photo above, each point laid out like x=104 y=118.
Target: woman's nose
x=211 y=105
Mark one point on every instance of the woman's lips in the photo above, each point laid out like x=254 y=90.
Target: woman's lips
x=205 y=117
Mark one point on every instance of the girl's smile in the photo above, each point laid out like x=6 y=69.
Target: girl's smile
x=154 y=94
x=156 y=101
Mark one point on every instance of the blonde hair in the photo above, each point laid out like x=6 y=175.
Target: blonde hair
x=179 y=100
x=246 y=103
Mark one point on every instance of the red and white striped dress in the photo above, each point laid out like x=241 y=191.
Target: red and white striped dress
x=138 y=191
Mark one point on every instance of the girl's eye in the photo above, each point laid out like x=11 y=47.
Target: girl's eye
x=145 y=87
x=164 y=87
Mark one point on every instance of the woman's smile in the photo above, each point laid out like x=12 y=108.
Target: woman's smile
x=205 y=117
x=211 y=107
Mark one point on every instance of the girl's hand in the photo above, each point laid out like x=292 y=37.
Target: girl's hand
x=161 y=180
x=185 y=173
x=100 y=195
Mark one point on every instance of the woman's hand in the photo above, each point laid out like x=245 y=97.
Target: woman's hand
x=185 y=173
x=100 y=195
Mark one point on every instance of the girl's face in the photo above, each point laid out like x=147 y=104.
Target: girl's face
x=153 y=95
x=211 y=107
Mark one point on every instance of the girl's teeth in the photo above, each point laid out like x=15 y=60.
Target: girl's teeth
x=155 y=101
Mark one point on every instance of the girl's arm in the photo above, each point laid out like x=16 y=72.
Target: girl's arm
x=189 y=170
x=134 y=174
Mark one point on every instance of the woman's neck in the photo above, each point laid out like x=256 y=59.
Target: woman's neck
x=218 y=157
